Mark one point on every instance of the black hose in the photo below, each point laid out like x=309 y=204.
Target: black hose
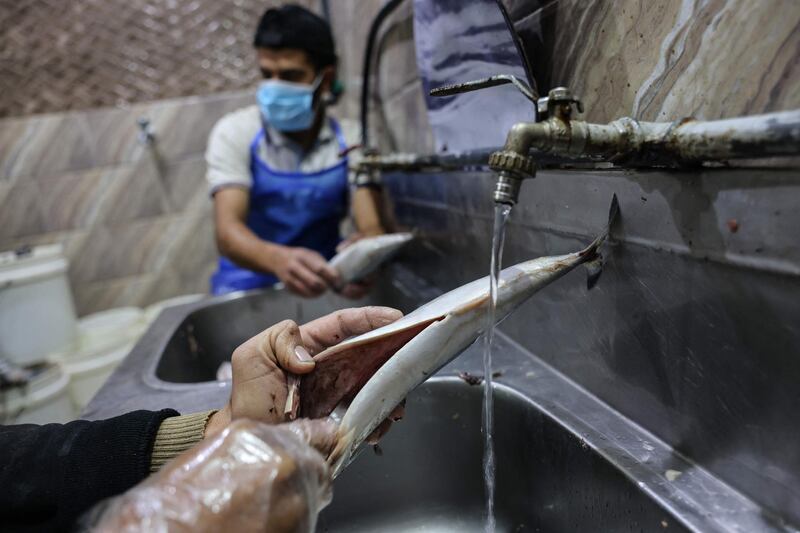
x=385 y=11
x=520 y=46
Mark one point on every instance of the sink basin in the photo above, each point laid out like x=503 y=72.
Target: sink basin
x=428 y=476
x=565 y=460
x=208 y=336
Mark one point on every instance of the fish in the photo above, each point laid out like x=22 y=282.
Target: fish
x=364 y=256
x=363 y=378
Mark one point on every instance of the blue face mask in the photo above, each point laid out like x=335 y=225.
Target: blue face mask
x=287 y=106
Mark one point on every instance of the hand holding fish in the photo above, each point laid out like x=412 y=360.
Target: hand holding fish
x=263 y=365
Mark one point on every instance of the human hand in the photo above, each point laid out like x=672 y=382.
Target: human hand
x=248 y=477
x=262 y=365
x=352 y=238
x=355 y=290
x=305 y=272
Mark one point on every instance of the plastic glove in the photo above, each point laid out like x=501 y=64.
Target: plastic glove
x=248 y=477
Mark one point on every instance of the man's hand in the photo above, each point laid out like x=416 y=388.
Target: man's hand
x=249 y=477
x=261 y=365
x=304 y=271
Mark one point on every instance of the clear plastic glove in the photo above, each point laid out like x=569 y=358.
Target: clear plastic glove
x=248 y=477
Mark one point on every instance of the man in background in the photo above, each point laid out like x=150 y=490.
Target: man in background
x=278 y=170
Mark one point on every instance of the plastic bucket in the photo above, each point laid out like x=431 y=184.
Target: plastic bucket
x=88 y=371
x=43 y=400
x=105 y=338
x=108 y=330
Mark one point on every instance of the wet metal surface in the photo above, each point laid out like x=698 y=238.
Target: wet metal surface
x=565 y=460
x=692 y=331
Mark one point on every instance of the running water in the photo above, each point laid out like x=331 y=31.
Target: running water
x=501 y=212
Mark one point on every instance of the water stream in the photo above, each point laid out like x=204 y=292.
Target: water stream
x=501 y=213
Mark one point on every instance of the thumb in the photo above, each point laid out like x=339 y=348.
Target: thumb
x=287 y=345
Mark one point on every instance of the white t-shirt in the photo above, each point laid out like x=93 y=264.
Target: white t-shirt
x=228 y=150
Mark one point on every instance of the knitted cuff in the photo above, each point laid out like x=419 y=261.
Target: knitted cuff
x=176 y=435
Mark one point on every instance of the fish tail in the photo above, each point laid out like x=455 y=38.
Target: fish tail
x=592 y=259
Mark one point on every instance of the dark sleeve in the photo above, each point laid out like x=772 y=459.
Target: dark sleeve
x=51 y=474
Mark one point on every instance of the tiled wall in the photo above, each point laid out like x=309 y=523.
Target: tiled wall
x=665 y=59
x=135 y=220
x=398 y=119
x=97 y=53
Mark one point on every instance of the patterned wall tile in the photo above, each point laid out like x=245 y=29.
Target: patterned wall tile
x=71 y=201
x=83 y=54
x=186 y=184
x=48 y=145
x=665 y=60
x=133 y=192
x=20 y=213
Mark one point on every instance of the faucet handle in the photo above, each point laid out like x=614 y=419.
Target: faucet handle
x=558 y=102
x=485 y=83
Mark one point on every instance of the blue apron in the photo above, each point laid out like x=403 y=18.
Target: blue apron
x=289 y=208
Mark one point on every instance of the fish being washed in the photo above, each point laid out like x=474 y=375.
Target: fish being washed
x=373 y=372
x=365 y=255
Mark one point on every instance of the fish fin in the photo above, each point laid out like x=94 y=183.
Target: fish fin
x=590 y=252
x=593 y=270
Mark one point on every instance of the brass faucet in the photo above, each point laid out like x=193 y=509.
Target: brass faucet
x=551 y=131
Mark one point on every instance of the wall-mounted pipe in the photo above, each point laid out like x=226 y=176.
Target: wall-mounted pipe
x=626 y=143
x=629 y=142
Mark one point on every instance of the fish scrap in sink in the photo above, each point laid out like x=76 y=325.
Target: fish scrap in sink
x=371 y=373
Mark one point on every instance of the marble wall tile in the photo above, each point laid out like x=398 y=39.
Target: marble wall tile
x=665 y=60
x=114 y=135
x=71 y=201
x=186 y=184
x=131 y=249
x=181 y=127
x=133 y=192
x=396 y=54
x=406 y=121
x=20 y=213
x=45 y=145
x=100 y=295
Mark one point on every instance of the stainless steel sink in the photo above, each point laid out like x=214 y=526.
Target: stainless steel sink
x=565 y=460
x=428 y=475
x=207 y=336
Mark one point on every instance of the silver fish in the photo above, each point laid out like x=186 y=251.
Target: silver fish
x=375 y=371
x=365 y=255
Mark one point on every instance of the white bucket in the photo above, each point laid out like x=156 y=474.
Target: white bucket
x=43 y=400
x=152 y=311
x=88 y=371
x=108 y=330
x=37 y=314
x=105 y=338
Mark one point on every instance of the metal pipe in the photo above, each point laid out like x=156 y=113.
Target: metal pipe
x=625 y=143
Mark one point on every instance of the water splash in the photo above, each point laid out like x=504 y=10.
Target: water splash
x=501 y=213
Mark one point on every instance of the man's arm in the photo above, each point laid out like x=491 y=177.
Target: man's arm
x=51 y=474
x=303 y=271
x=367 y=211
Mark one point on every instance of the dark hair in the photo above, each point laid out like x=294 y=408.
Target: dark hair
x=293 y=26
